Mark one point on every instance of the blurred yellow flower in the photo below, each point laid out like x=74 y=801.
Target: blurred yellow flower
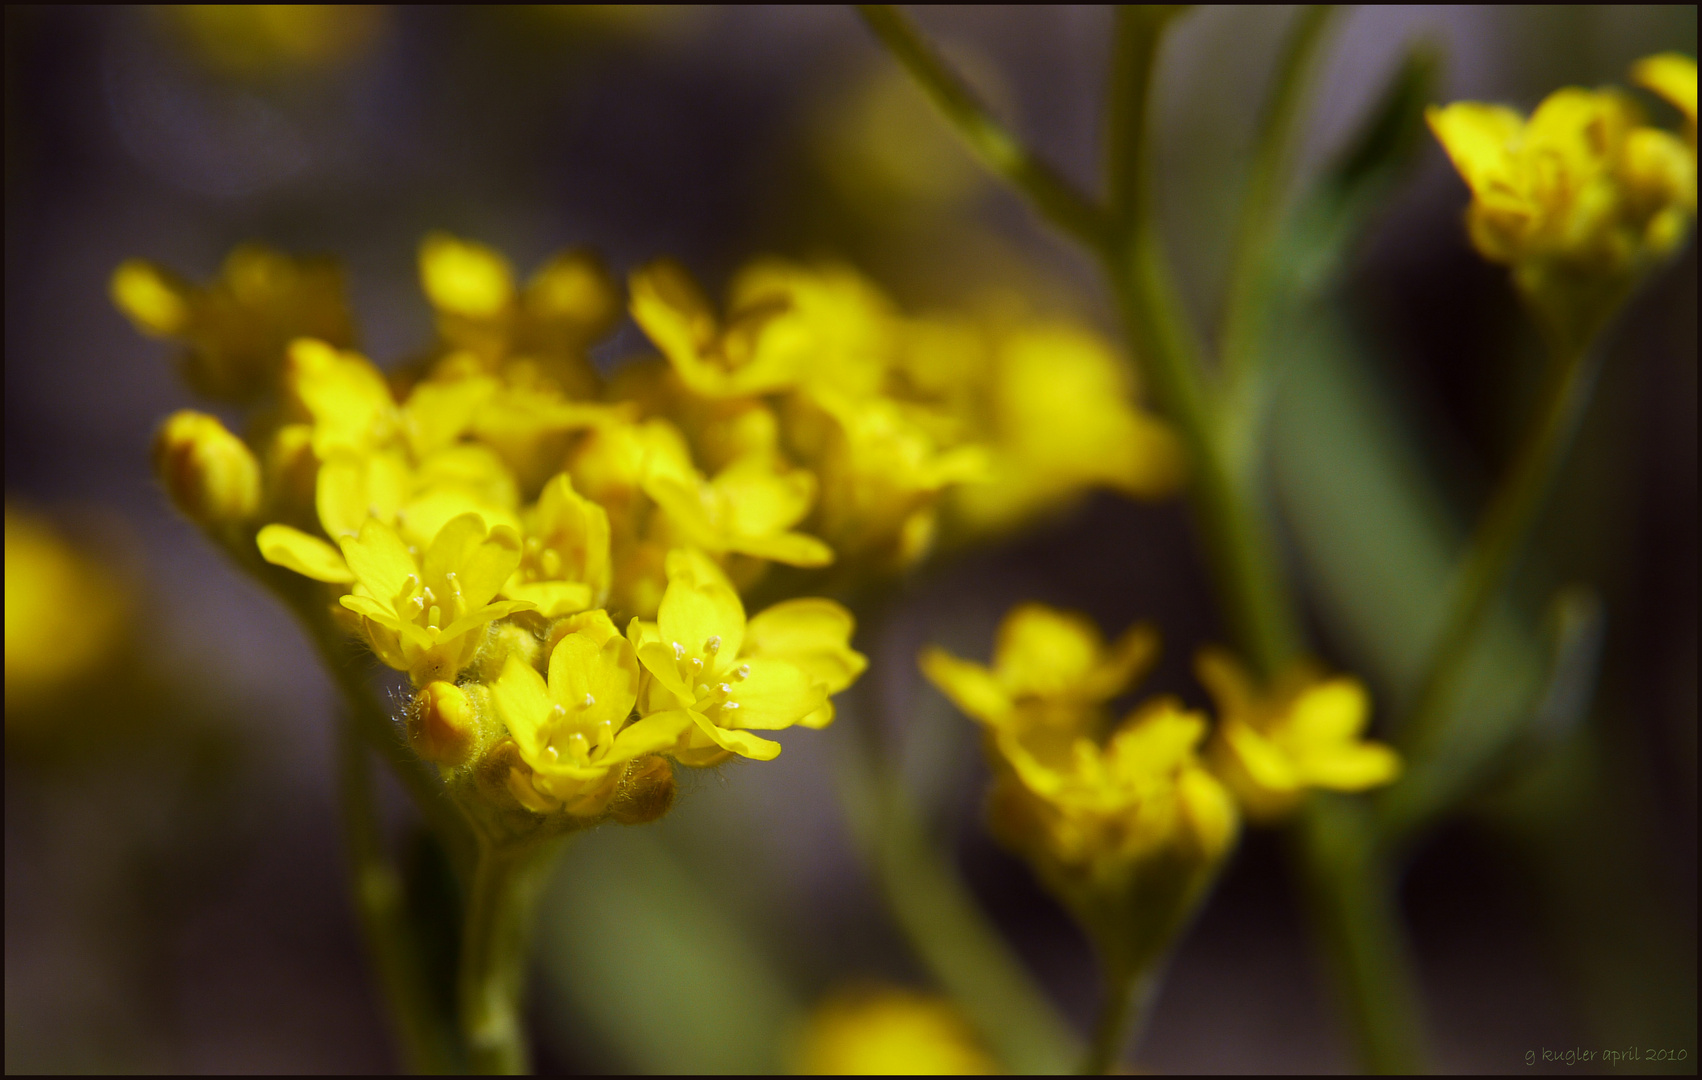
x=1050 y=668
x=1304 y=731
x=66 y=613
x=1125 y=827
x=1577 y=199
x=886 y=1031
x=274 y=39
x=234 y=331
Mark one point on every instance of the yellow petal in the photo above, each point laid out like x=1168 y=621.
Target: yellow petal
x=761 y=500
x=970 y=686
x=436 y=413
x=1332 y=712
x=1673 y=76
x=1477 y=138
x=1046 y=652
x=660 y=661
x=1266 y=766
x=651 y=734
x=701 y=605
x=1226 y=680
x=553 y=599
x=1353 y=767
x=479 y=616
x=381 y=614
x=1128 y=658
x=595 y=684
x=793 y=549
x=812 y=633
x=307 y=555
x=772 y=696
x=380 y=561
x=522 y=702
x=739 y=742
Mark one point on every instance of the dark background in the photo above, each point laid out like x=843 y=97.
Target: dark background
x=175 y=898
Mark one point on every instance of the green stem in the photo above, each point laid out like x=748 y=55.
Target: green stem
x=944 y=925
x=507 y=881
x=1262 y=204
x=1493 y=553
x=1351 y=893
x=1119 y=1014
x=421 y=1029
x=1055 y=197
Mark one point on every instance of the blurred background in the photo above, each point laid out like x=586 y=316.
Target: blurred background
x=175 y=895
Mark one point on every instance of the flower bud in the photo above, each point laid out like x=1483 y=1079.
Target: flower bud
x=210 y=474
x=465 y=278
x=443 y=726
x=504 y=777
x=645 y=793
x=155 y=300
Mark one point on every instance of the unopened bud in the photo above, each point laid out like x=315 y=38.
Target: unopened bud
x=210 y=474
x=645 y=793
x=465 y=278
x=443 y=725
x=154 y=299
x=503 y=775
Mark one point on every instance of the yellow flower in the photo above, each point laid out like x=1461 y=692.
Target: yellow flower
x=235 y=330
x=885 y=1031
x=1303 y=732
x=564 y=565
x=210 y=474
x=1061 y=419
x=569 y=303
x=787 y=326
x=727 y=683
x=1050 y=668
x=573 y=733
x=1126 y=831
x=881 y=471
x=749 y=507
x=1673 y=76
x=66 y=612
x=427 y=614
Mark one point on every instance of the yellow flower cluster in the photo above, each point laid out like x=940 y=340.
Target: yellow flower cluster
x=1131 y=815
x=481 y=518
x=1584 y=187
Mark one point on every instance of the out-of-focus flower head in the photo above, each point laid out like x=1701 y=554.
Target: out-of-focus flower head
x=886 y=1031
x=234 y=331
x=1578 y=199
x=1126 y=829
x=67 y=612
x=265 y=40
x=1304 y=731
x=570 y=302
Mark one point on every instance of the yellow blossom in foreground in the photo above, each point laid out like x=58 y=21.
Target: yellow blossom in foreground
x=727 y=678
x=427 y=614
x=885 y=1031
x=572 y=732
x=65 y=611
x=1305 y=731
x=1050 y=667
